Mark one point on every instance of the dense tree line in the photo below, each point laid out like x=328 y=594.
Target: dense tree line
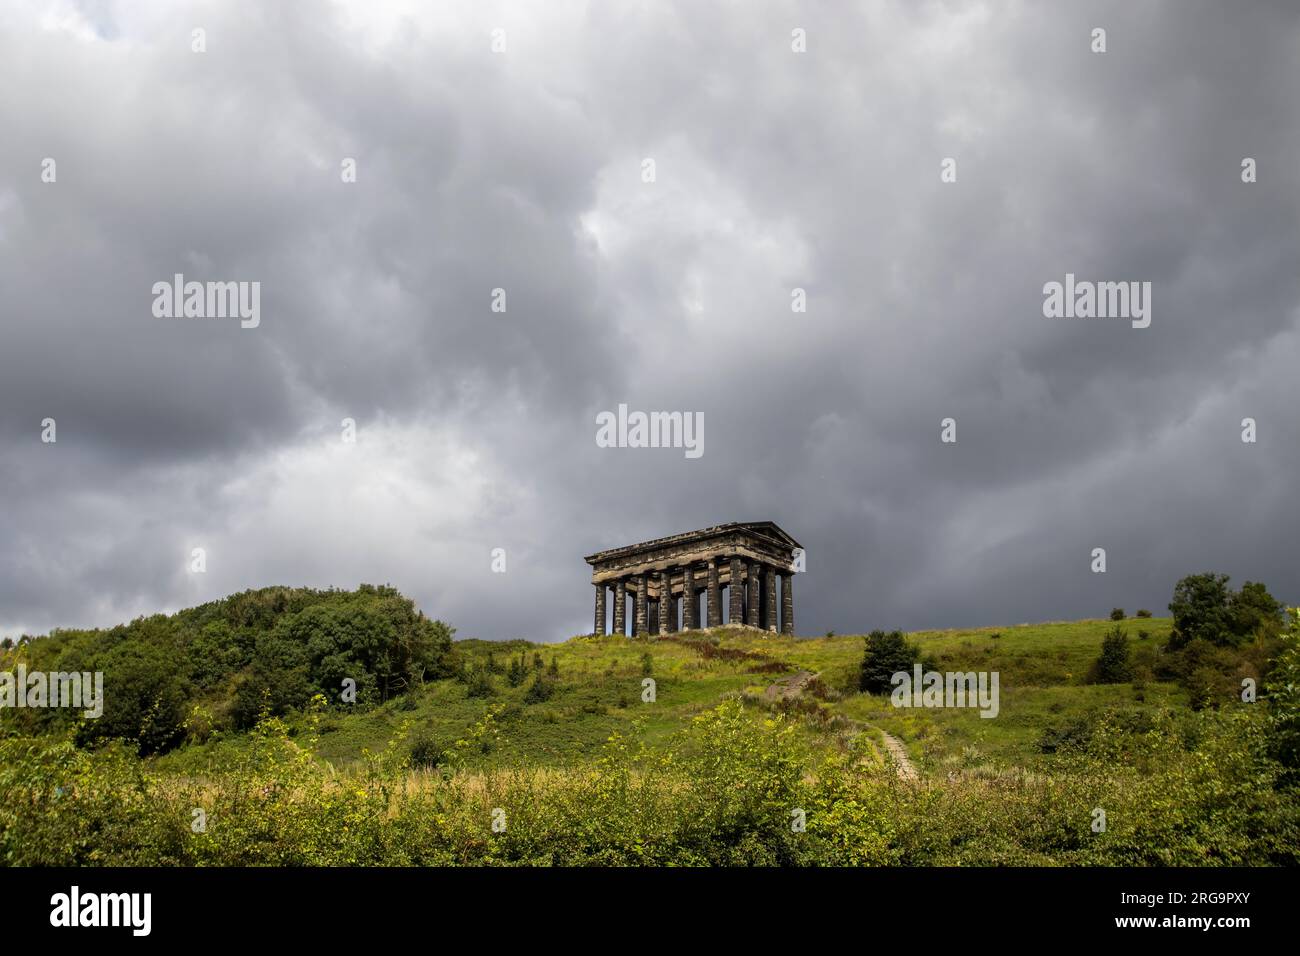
x=264 y=651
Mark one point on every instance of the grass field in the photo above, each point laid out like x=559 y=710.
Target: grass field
x=744 y=730
x=1042 y=670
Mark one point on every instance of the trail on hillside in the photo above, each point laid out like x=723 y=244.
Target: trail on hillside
x=788 y=688
x=793 y=686
x=906 y=770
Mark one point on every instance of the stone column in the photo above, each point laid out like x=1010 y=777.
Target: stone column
x=769 y=579
x=639 y=623
x=752 y=618
x=600 y=610
x=688 y=599
x=665 y=600
x=620 y=607
x=737 y=610
x=787 y=603
x=715 y=602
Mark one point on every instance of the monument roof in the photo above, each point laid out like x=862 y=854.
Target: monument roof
x=767 y=530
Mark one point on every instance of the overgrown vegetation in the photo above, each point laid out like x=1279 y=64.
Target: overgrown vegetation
x=712 y=773
x=259 y=652
x=1201 y=791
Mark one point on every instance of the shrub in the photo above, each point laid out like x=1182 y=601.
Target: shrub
x=540 y=690
x=1143 y=612
x=1204 y=608
x=478 y=682
x=1115 y=664
x=426 y=753
x=1283 y=695
x=1117 y=614
x=884 y=656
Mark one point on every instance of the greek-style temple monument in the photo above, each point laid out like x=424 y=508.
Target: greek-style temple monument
x=677 y=583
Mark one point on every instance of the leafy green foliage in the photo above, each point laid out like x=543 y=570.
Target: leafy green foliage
x=1193 y=790
x=1205 y=608
x=478 y=682
x=1283 y=691
x=1115 y=663
x=540 y=690
x=259 y=652
x=885 y=655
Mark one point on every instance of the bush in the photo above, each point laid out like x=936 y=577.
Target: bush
x=1283 y=695
x=1204 y=608
x=1199 y=790
x=884 y=656
x=1115 y=663
x=1143 y=612
x=1212 y=675
x=1117 y=614
x=145 y=699
x=478 y=682
x=426 y=753
x=540 y=690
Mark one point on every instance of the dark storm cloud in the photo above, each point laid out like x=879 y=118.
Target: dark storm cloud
x=521 y=171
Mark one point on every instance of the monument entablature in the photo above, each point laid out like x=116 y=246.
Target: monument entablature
x=676 y=583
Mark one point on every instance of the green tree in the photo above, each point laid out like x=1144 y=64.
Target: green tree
x=1205 y=608
x=1200 y=610
x=884 y=656
x=145 y=698
x=1253 y=609
x=1115 y=663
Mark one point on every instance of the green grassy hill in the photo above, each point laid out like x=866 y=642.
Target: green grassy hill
x=1042 y=669
x=239 y=715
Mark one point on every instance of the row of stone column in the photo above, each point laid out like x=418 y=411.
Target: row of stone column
x=747 y=603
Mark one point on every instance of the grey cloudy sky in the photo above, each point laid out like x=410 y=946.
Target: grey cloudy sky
x=522 y=170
